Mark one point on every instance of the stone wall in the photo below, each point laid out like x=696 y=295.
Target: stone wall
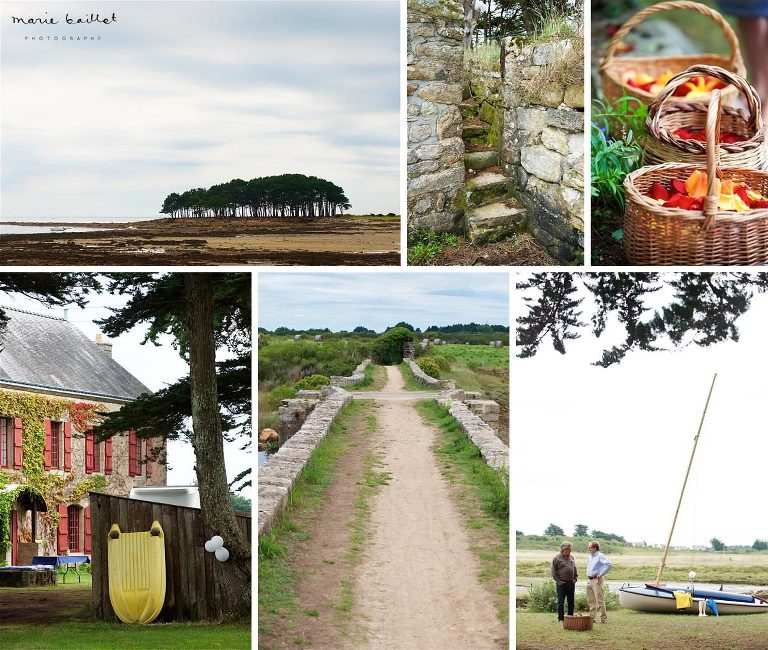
x=542 y=145
x=355 y=378
x=423 y=378
x=435 y=147
x=281 y=470
x=292 y=413
x=494 y=452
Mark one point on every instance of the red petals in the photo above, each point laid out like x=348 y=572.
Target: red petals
x=678 y=185
x=727 y=137
x=759 y=204
x=658 y=191
x=674 y=200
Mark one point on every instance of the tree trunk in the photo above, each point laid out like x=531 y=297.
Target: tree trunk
x=234 y=575
x=470 y=22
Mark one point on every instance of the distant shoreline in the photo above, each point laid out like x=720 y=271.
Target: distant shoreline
x=343 y=240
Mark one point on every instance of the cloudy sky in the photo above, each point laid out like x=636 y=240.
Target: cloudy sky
x=155 y=367
x=178 y=95
x=342 y=301
x=608 y=447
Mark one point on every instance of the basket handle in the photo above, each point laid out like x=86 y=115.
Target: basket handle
x=735 y=60
x=755 y=121
x=713 y=161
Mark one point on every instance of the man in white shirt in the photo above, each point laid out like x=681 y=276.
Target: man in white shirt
x=597 y=566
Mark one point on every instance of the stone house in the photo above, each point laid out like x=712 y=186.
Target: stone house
x=54 y=383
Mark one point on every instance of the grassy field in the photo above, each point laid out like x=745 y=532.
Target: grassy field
x=87 y=636
x=642 y=565
x=627 y=630
x=480 y=368
x=482 y=496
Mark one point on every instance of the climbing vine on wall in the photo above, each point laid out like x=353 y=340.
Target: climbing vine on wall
x=33 y=411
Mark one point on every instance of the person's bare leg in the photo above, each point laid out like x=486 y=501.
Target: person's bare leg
x=754 y=32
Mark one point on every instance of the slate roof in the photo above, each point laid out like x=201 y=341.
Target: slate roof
x=48 y=352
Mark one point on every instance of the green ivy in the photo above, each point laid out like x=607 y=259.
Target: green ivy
x=33 y=411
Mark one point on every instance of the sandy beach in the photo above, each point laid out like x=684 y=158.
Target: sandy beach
x=338 y=241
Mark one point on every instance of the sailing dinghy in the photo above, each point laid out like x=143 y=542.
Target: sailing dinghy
x=661 y=599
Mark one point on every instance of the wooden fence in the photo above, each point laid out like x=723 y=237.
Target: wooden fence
x=192 y=593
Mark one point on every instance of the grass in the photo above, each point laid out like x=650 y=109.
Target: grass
x=425 y=246
x=637 y=566
x=476 y=356
x=367 y=487
x=375 y=378
x=639 y=631
x=277 y=597
x=482 y=496
x=87 y=635
x=484 y=56
x=410 y=380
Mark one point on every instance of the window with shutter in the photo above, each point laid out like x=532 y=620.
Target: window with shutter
x=73 y=528
x=6 y=442
x=62 y=536
x=89 y=452
x=57 y=457
x=18 y=442
x=87 y=536
x=108 y=456
x=67 y=427
x=96 y=454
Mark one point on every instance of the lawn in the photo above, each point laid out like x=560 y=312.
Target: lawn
x=630 y=630
x=87 y=635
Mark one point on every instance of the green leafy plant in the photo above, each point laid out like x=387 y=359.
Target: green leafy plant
x=426 y=246
x=611 y=600
x=543 y=597
x=429 y=366
x=626 y=114
x=612 y=160
x=313 y=382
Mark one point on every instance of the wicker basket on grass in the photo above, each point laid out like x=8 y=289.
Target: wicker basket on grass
x=655 y=235
x=577 y=622
x=662 y=145
x=613 y=69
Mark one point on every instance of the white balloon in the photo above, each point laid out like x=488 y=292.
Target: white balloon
x=222 y=554
x=216 y=542
x=691 y=574
x=209 y=546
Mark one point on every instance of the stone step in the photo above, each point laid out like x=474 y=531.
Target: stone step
x=469 y=109
x=486 y=187
x=475 y=132
x=481 y=159
x=494 y=222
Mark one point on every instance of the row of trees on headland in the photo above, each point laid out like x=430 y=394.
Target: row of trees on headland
x=287 y=195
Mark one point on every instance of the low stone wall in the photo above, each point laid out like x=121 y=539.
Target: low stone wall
x=278 y=474
x=494 y=452
x=435 y=147
x=542 y=146
x=423 y=378
x=292 y=413
x=355 y=378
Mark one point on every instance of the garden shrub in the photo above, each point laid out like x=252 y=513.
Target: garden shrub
x=278 y=394
x=312 y=382
x=430 y=366
x=543 y=597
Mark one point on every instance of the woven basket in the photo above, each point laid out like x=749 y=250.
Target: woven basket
x=662 y=145
x=655 y=235
x=580 y=623
x=612 y=69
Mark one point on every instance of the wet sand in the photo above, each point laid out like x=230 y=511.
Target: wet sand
x=338 y=241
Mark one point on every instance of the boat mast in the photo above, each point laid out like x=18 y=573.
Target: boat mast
x=682 y=491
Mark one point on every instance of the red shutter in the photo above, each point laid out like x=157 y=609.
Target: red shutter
x=14 y=538
x=87 y=514
x=108 y=456
x=47 y=444
x=67 y=446
x=132 y=460
x=63 y=535
x=18 y=439
x=89 y=450
x=149 y=466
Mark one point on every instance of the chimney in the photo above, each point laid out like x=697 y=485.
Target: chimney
x=106 y=346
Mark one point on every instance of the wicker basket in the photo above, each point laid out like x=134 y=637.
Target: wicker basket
x=662 y=145
x=655 y=235
x=612 y=69
x=577 y=622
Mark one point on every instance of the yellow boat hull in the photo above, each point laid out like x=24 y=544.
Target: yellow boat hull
x=136 y=573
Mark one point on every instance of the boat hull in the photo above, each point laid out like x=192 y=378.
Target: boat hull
x=661 y=601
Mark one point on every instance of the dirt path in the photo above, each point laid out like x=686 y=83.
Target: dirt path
x=417 y=585
x=43 y=605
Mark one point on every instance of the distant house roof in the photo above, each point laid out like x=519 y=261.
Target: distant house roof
x=45 y=352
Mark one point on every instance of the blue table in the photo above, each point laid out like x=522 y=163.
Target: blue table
x=69 y=561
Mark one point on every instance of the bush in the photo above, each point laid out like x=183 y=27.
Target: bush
x=278 y=394
x=430 y=366
x=387 y=349
x=543 y=597
x=313 y=382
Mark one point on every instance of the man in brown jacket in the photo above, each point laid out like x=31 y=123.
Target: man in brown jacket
x=564 y=574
